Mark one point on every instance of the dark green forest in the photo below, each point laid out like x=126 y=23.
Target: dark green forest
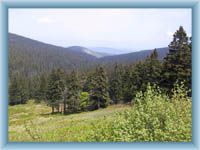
x=72 y=82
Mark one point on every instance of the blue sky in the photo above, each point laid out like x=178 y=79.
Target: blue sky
x=126 y=29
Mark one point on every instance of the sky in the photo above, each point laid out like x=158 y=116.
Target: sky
x=125 y=29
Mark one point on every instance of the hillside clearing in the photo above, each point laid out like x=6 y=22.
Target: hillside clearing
x=33 y=122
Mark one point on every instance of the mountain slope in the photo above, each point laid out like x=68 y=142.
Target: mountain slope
x=32 y=57
x=134 y=56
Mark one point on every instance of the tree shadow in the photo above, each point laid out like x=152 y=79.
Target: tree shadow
x=49 y=114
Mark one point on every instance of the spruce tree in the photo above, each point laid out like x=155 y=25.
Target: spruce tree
x=140 y=76
x=89 y=83
x=42 y=89
x=18 y=90
x=99 y=96
x=14 y=91
x=136 y=77
x=177 y=64
x=55 y=89
x=73 y=94
x=23 y=90
x=129 y=84
x=115 y=88
x=153 y=68
x=33 y=86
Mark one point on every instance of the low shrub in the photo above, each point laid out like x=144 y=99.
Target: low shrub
x=153 y=117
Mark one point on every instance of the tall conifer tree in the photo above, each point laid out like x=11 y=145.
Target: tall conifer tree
x=115 y=88
x=99 y=96
x=153 y=68
x=18 y=90
x=14 y=91
x=73 y=94
x=42 y=89
x=177 y=64
x=55 y=89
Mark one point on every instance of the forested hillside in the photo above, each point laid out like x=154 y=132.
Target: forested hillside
x=37 y=68
x=31 y=61
x=33 y=64
x=133 y=57
x=30 y=57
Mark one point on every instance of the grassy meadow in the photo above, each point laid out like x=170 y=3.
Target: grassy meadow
x=34 y=122
x=153 y=116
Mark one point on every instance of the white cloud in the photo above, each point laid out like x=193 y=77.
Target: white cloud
x=45 y=19
x=169 y=33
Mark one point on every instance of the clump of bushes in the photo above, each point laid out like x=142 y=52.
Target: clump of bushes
x=154 y=116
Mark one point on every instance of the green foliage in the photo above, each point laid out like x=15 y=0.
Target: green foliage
x=73 y=93
x=33 y=58
x=23 y=90
x=42 y=89
x=18 y=90
x=84 y=101
x=128 y=86
x=152 y=68
x=99 y=97
x=33 y=86
x=14 y=91
x=55 y=89
x=180 y=92
x=153 y=117
x=125 y=79
x=146 y=72
x=177 y=64
x=89 y=83
x=135 y=78
x=33 y=122
x=116 y=84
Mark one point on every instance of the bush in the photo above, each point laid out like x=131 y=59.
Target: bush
x=153 y=117
x=84 y=101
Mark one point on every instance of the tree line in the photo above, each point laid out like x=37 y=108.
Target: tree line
x=102 y=86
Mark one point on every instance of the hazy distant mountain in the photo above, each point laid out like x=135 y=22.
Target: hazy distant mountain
x=108 y=50
x=134 y=56
x=88 y=51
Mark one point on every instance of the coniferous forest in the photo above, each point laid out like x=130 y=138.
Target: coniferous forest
x=154 y=92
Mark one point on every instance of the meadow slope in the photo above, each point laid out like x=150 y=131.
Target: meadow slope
x=33 y=122
x=154 y=116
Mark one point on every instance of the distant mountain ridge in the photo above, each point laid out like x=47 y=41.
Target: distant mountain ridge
x=32 y=57
x=88 y=51
x=134 y=56
x=108 y=50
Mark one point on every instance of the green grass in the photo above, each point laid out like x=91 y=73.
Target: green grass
x=34 y=122
x=154 y=117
